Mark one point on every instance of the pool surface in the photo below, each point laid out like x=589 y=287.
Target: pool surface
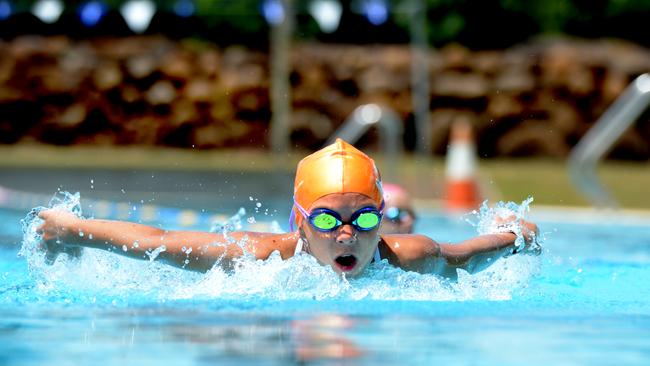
x=585 y=300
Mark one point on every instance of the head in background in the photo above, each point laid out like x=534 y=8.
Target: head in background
x=399 y=216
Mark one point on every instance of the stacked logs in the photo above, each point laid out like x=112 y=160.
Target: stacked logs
x=146 y=91
x=534 y=99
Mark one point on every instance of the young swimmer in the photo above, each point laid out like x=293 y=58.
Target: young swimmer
x=338 y=209
x=399 y=216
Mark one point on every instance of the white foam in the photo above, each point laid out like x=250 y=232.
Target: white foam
x=98 y=273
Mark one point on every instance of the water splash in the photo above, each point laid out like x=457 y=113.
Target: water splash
x=234 y=223
x=103 y=276
x=31 y=247
x=504 y=217
x=303 y=278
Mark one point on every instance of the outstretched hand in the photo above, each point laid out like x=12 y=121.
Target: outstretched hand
x=58 y=234
x=529 y=231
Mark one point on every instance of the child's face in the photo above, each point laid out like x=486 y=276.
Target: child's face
x=347 y=249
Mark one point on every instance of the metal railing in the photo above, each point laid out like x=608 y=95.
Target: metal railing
x=599 y=140
x=390 y=131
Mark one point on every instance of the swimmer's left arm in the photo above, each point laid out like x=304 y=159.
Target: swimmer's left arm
x=422 y=254
x=476 y=254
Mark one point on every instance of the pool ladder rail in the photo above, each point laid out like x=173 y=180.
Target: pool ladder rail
x=390 y=127
x=600 y=139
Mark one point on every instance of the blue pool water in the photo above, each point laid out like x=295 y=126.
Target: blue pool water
x=585 y=300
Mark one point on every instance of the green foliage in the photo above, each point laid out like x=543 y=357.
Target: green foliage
x=240 y=14
x=451 y=19
x=479 y=21
x=550 y=15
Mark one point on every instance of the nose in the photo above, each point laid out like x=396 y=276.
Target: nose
x=346 y=235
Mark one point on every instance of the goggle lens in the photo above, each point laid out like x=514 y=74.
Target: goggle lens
x=393 y=213
x=367 y=220
x=325 y=221
x=398 y=215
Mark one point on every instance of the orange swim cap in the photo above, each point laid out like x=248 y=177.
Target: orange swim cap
x=337 y=168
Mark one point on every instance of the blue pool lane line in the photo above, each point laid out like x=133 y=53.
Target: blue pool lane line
x=143 y=213
x=147 y=213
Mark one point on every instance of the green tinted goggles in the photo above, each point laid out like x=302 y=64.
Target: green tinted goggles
x=397 y=215
x=326 y=220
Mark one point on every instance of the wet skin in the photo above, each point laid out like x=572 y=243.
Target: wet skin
x=346 y=249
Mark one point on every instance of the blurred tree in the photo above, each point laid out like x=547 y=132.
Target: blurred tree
x=242 y=14
x=476 y=24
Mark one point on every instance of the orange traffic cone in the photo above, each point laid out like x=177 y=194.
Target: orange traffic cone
x=461 y=188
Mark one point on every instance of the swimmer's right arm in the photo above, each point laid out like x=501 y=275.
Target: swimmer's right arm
x=193 y=250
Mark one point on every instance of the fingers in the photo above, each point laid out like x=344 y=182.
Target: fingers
x=530 y=229
x=52 y=213
x=44 y=214
x=44 y=232
x=51 y=226
x=531 y=237
x=51 y=249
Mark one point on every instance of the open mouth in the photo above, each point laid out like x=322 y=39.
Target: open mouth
x=346 y=262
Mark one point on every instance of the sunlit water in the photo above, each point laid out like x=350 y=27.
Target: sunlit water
x=585 y=300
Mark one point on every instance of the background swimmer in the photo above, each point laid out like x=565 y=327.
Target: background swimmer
x=338 y=208
x=399 y=215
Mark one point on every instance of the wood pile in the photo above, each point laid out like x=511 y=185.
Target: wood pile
x=535 y=99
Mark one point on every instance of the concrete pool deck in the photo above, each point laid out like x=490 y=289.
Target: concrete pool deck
x=194 y=179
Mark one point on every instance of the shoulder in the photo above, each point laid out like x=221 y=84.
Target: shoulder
x=267 y=243
x=407 y=250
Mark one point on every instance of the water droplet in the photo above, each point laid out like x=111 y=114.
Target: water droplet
x=154 y=254
x=258 y=205
x=81 y=234
x=90 y=236
x=251 y=220
x=124 y=248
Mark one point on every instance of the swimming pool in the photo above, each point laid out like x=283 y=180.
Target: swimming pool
x=586 y=300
